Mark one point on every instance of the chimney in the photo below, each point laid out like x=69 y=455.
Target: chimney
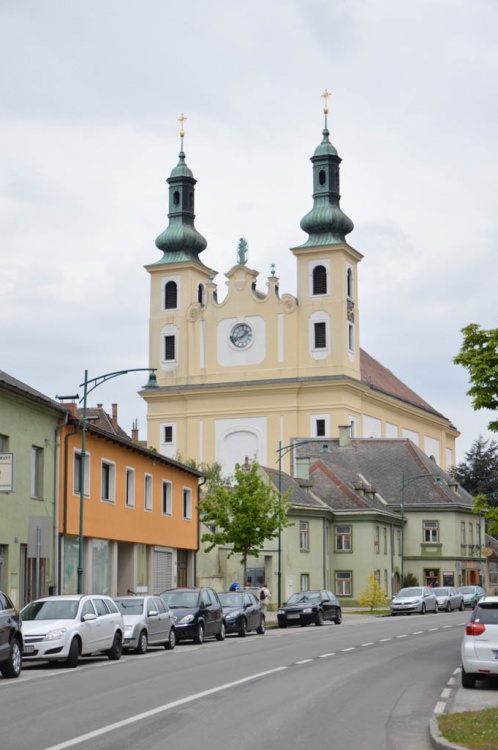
x=134 y=431
x=115 y=415
x=344 y=435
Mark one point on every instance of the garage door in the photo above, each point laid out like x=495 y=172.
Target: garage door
x=163 y=570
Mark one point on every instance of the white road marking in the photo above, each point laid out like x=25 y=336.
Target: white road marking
x=446 y=693
x=304 y=661
x=402 y=636
x=158 y=710
x=368 y=644
x=418 y=632
x=383 y=640
x=348 y=649
x=324 y=656
x=440 y=707
x=432 y=629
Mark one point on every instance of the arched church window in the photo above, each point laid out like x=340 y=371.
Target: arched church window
x=176 y=198
x=170 y=295
x=319 y=280
x=200 y=294
x=349 y=282
x=322 y=177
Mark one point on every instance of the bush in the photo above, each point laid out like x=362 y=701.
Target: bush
x=373 y=596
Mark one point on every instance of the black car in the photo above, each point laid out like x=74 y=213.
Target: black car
x=10 y=638
x=306 y=607
x=242 y=613
x=198 y=613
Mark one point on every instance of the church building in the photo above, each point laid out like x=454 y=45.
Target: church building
x=243 y=373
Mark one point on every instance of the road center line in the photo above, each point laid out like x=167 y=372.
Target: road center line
x=324 y=656
x=402 y=636
x=352 y=648
x=368 y=644
x=383 y=640
x=158 y=710
x=304 y=661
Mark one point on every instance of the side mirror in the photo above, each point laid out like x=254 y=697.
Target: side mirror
x=89 y=617
x=153 y=613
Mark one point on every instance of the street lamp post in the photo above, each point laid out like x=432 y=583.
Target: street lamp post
x=404 y=482
x=282 y=450
x=94 y=383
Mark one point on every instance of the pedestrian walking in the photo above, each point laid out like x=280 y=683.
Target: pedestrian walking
x=264 y=597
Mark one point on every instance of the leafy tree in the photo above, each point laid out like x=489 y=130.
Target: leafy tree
x=244 y=515
x=373 y=595
x=478 y=472
x=483 y=506
x=213 y=473
x=410 y=580
x=479 y=354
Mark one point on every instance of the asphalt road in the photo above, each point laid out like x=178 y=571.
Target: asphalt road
x=370 y=682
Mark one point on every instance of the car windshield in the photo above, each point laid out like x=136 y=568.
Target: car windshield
x=467 y=589
x=486 y=612
x=441 y=592
x=303 y=596
x=411 y=592
x=51 y=610
x=130 y=606
x=178 y=599
x=231 y=600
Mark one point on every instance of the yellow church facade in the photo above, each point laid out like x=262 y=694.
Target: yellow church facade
x=244 y=371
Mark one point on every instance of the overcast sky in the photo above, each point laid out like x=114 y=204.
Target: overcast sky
x=90 y=95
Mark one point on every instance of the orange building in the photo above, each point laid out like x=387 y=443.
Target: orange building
x=139 y=523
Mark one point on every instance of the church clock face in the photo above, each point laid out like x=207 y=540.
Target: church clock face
x=241 y=335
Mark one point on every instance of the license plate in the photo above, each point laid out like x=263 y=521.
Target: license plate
x=293 y=617
x=28 y=649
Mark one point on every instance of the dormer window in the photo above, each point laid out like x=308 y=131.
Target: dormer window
x=319 y=280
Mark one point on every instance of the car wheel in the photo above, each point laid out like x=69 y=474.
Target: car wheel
x=338 y=617
x=171 y=642
x=199 y=635
x=461 y=607
x=74 y=654
x=114 y=653
x=260 y=630
x=319 y=618
x=422 y=609
x=221 y=635
x=436 y=609
x=143 y=642
x=243 y=628
x=448 y=607
x=12 y=666
x=468 y=680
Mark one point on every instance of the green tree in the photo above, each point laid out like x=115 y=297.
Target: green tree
x=373 y=595
x=244 y=515
x=479 y=354
x=483 y=506
x=410 y=580
x=478 y=472
x=213 y=473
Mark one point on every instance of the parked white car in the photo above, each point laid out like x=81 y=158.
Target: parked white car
x=148 y=622
x=448 y=598
x=480 y=643
x=419 y=599
x=63 y=628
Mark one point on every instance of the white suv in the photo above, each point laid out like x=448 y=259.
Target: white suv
x=63 y=628
x=480 y=643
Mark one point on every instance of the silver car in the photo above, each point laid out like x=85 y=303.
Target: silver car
x=63 y=628
x=480 y=643
x=448 y=598
x=419 y=599
x=148 y=622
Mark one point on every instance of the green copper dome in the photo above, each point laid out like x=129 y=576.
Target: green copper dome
x=326 y=224
x=181 y=241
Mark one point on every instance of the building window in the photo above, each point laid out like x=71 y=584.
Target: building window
x=200 y=294
x=130 y=488
x=377 y=539
x=148 y=492
x=170 y=296
x=4 y=444
x=305 y=582
x=167 y=498
x=471 y=534
x=320 y=335
x=108 y=475
x=462 y=532
x=168 y=433
x=36 y=472
x=385 y=581
x=351 y=337
x=320 y=428
x=187 y=504
x=398 y=534
x=77 y=473
x=343 y=539
x=170 y=348
x=431 y=531
x=384 y=537
x=349 y=283
x=343 y=579
x=304 y=536
x=319 y=280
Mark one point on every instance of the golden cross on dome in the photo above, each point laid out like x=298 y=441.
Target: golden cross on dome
x=182 y=119
x=326 y=95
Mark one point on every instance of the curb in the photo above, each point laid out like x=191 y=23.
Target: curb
x=437 y=740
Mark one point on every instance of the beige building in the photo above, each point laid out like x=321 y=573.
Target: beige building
x=242 y=372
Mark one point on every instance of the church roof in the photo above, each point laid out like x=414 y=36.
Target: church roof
x=380 y=378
